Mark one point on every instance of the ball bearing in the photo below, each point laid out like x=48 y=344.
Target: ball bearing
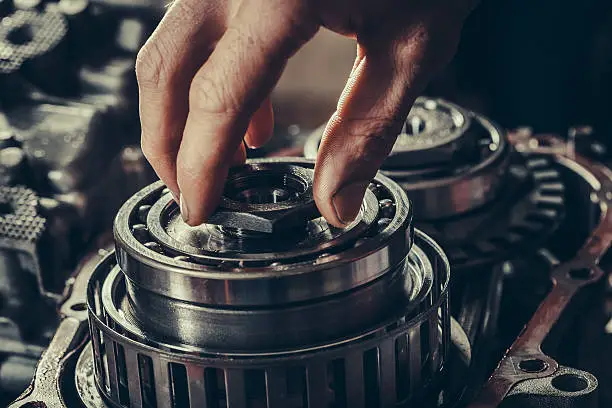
x=340 y=315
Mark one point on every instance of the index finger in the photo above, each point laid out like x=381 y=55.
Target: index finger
x=225 y=93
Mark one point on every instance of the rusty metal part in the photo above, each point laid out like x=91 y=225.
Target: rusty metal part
x=46 y=388
x=525 y=359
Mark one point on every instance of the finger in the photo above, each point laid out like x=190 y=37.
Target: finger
x=261 y=126
x=373 y=106
x=179 y=46
x=227 y=91
x=240 y=155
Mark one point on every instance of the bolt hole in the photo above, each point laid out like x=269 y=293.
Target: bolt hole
x=5 y=208
x=570 y=383
x=265 y=188
x=79 y=307
x=581 y=274
x=533 y=365
x=20 y=35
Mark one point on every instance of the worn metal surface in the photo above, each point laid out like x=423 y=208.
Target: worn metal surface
x=452 y=162
x=46 y=388
x=243 y=270
x=267 y=197
x=525 y=359
x=484 y=203
x=360 y=307
x=363 y=366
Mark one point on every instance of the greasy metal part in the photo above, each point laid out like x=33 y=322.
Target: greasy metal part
x=73 y=143
x=23 y=309
x=46 y=388
x=567 y=387
x=413 y=336
x=486 y=202
x=292 y=325
x=358 y=314
x=456 y=163
x=267 y=197
x=237 y=270
x=525 y=214
x=87 y=390
x=464 y=184
x=480 y=305
x=525 y=359
x=433 y=134
x=22 y=232
x=28 y=35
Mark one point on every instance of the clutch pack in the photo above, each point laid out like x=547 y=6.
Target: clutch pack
x=267 y=305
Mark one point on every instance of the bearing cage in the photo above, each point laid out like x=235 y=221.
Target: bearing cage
x=351 y=317
x=391 y=364
x=373 y=247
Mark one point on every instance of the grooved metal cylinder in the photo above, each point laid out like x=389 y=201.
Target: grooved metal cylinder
x=309 y=317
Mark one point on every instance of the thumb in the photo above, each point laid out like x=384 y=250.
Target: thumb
x=374 y=104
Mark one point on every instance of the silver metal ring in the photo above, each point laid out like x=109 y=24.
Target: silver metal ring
x=389 y=362
x=459 y=166
x=158 y=264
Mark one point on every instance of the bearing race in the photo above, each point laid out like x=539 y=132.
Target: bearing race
x=415 y=340
x=263 y=280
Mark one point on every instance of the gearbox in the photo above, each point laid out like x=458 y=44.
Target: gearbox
x=237 y=314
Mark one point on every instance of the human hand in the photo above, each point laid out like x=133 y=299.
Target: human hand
x=206 y=74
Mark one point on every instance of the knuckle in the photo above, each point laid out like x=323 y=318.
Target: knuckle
x=430 y=43
x=210 y=96
x=147 y=150
x=374 y=139
x=151 y=67
x=300 y=29
x=154 y=62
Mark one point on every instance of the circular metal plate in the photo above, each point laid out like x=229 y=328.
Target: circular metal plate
x=159 y=253
x=407 y=347
x=431 y=124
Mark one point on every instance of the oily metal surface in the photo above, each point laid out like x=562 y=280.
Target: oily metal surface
x=454 y=167
x=341 y=260
x=46 y=389
x=211 y=242
x=277 y=327
x=459 y=185
x=414 y=338
x=431 y=124
x=525 y=359
x=271 y=198
x=526 y=212
x=91 y=397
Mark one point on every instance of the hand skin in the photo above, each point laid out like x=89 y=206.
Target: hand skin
x=206 y=74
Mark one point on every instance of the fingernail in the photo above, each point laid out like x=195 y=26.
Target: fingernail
x=347 y=201
x=184 y=209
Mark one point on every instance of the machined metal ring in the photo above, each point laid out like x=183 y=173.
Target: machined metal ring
x=457 y=166
x=229 y=270
x=385 y=364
